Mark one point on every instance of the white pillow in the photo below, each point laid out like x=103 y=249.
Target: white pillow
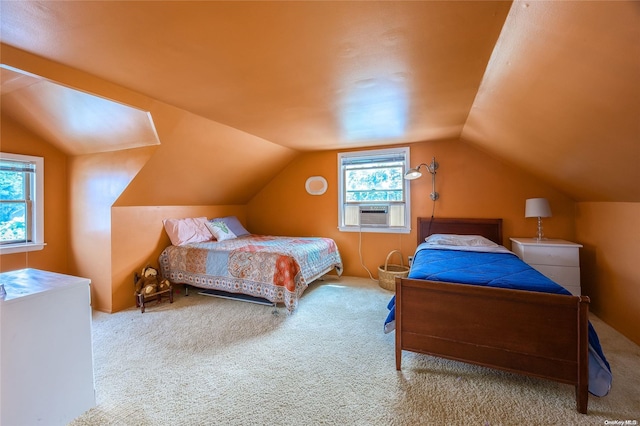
x=459 y=240
x=220 y=230
x=188 y=230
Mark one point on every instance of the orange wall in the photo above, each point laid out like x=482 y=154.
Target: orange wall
x=610 y=233
x=95 y=182
x=470 y=183
x=54 y=257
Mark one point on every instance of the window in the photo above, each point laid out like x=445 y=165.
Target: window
x=373 y=194
x=21 y=203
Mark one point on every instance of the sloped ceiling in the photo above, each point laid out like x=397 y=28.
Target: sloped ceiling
x=552 y=87
x=76 y=122
x=561 y=97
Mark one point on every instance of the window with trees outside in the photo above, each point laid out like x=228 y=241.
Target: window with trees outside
x=21 y=203
x=373 y=194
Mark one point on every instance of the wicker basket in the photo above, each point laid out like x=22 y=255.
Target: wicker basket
x=387 y=273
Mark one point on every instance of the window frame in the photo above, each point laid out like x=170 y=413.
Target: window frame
x=36 y=225
x=363 y=154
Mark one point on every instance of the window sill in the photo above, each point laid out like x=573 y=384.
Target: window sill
x=21 y=248
x=380 y=230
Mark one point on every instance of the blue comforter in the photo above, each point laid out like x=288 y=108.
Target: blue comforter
x=501 y=269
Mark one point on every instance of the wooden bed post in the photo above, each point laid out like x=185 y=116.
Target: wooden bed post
x=398 y=319
x=582 y=387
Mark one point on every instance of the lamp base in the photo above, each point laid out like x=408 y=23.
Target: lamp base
x=540 y=235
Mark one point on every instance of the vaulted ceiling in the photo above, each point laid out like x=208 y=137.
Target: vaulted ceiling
x=551 y=87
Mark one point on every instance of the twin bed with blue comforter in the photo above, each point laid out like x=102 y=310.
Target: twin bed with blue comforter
x=470 y=299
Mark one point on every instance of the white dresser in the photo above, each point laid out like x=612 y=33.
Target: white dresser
x=557 y=259
x=46 y=356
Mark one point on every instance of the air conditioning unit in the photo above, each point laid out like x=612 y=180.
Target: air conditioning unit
x=374 y=216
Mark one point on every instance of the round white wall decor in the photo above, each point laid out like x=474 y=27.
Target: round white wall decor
x=316 y=185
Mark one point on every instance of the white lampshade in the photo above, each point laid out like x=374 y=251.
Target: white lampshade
x=537 y=207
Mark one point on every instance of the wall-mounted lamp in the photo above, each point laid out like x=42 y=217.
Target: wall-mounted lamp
x=537 y=207
x=431 y=168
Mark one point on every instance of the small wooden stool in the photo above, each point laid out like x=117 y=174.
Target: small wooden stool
x=142 y=299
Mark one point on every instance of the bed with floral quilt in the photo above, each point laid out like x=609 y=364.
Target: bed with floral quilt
x=275 y=268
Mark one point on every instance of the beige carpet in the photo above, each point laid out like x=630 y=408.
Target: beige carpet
x=209 y=361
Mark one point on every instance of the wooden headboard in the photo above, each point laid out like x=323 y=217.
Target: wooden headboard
x=488 y=228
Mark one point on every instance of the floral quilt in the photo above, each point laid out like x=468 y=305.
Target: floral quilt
x=275 y=268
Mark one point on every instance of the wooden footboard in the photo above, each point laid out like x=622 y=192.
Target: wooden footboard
x=536 y=334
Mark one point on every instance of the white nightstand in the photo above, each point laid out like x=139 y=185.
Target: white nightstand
x=557 y=259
